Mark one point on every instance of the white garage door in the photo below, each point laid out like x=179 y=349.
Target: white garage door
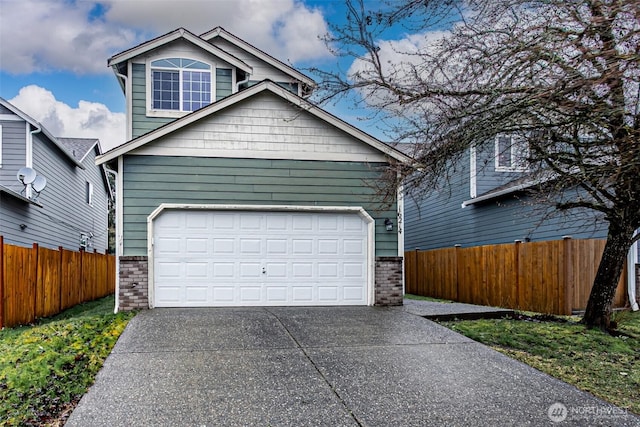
x=231 y=258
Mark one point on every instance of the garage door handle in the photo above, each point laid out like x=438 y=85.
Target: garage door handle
x=264 y=270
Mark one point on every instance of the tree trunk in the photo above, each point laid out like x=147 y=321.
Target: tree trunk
x=598 y=312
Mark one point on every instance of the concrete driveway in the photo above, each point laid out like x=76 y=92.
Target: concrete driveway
x=350 y=366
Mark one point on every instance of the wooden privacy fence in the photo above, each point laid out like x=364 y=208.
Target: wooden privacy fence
x=549 y=277
x=40 y=282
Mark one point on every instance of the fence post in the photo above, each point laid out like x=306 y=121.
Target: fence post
x=567 y=275
x=1 y=282
x=516 y=262
x=35 y=281
x=456 y=276
x=416 y=270
x=60 y=276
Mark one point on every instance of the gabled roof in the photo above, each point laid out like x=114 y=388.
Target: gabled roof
x=224 y=34
x=34 y=123
x=180 y=33
x=80 y=147
x=264 y=86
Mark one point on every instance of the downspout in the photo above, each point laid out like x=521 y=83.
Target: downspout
x=241 y=82
x=632 y=258
x=28 y=161
x=128 y=102
x=118 y=241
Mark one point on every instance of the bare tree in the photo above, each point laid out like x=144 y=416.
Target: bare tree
x=563 y=75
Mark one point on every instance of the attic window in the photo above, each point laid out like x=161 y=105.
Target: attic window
x=180 y=84
x=511 y=154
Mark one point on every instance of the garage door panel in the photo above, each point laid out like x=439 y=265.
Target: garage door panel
x=249 y=270
x=354 y=247
x=302 y=247
x=227 y=258
x=277 y=294
x=250 y=246
x=223 y=246
x=250 y=294
x=276 y=246
x=328 y=294
x=196 y=294
x=352 y=293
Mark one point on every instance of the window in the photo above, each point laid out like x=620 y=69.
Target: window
x=180 y=84
x=0 y=146
x=89 y=193
x=511 y=154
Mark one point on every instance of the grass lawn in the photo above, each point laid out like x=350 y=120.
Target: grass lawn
x=605 y=366
x=46 y=368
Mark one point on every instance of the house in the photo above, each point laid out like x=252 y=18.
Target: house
x=234 y=190
x=485 y=201
x=51 y=191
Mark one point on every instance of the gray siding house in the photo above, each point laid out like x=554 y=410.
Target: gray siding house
x=485 y=202
x=234 y=190
x=72 y=210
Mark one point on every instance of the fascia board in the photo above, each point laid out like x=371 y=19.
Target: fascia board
x=221 y=32
x=175 y=35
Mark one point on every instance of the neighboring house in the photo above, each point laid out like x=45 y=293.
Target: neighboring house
x=234 y=190
x=485 y=201
x=72 y=209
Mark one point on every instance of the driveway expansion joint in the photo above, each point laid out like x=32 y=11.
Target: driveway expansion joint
x=315 y=366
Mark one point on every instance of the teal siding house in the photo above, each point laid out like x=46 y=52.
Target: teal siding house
x=234 y=190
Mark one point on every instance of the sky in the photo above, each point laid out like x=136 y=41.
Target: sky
x=53 y=53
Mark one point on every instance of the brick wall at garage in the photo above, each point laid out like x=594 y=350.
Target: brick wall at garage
x=388 y=286
x=134 y=283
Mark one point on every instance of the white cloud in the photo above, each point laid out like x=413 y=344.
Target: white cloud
x=286 y=29
x=45 y=35
x=87 y=120
x=53 y=35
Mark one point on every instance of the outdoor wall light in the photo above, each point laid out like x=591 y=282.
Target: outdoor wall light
x=388 y=224
x=23 y=226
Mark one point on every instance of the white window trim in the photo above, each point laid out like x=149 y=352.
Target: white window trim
x=514 y=142
x=89 y=193
x=153 y=112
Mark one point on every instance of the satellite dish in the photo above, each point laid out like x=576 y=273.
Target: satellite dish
x=26 y=175
x=39 y=183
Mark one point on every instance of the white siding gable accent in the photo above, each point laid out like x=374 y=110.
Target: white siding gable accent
x=217 y=108
x=264 y=126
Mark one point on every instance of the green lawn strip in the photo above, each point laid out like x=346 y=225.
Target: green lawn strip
x=45 y=368
x=603 y=365
x=421 y=298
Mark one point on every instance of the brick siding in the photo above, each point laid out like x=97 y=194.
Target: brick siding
x=134 y=283
x=388 y=286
